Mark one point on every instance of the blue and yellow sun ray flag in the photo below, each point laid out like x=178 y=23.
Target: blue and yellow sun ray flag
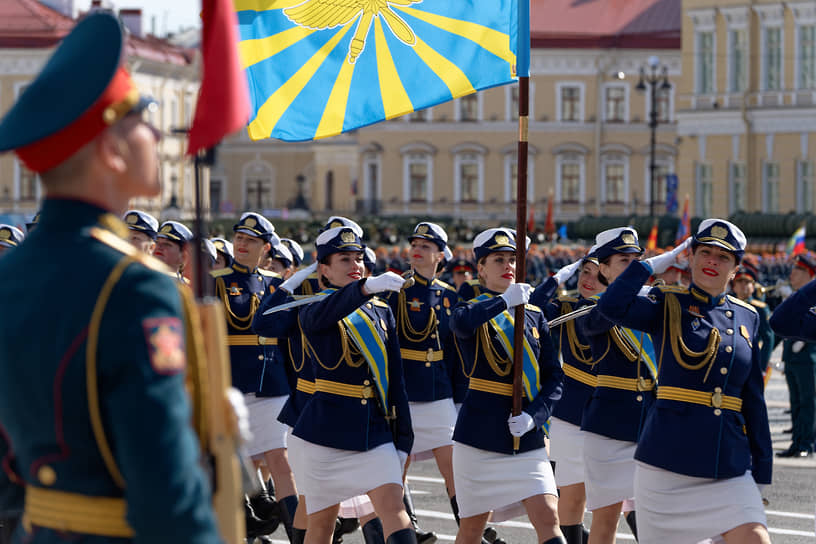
x=317 y=68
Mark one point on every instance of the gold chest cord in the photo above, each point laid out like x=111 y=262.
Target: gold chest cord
x=349 y=352
x=406 y=330
x=672 y=319
x=239 y=323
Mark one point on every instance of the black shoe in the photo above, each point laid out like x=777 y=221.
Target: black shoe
x=264 y=506
x=256 y=526
x=490 y=534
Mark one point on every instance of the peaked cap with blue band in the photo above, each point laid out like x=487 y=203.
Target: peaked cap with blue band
x=431 y=232
x=10 y=236
x=175 y=231
x=369 y=259
x=142 y=222
x=294 y=249
x=339 y=221
x=257 y=225
x=617 y=240
x=494 y=240
x=209 y=249
x=280 y=252
x=337 y=240
x=224 y=246
x=72 y=100
x=722 y=234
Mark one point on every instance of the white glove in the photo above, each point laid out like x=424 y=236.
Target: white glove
x=520 y=424
x=661 y=263
x=240 y=413
x=517 y=293
x=566 y=273
x=403 y=457
x=384 y=282
x=294 y=281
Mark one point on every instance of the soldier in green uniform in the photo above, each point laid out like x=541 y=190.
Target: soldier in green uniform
x=744 y=287
x=94 y=416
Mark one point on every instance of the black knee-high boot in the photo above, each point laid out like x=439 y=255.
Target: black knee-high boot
x=574 y=534
x=631 y=521
x=298 y=535
x=555 y=540
x=585 y=534
x=422 y=537
x=287 y=514
x=373 y=532
x=403 y=536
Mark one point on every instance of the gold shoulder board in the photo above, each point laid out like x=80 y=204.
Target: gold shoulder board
x=673 y=289
x=268 y=273
x=533 y=307
x=123 y=246
x=220 y=272
x=742 y=303
x=758 y=303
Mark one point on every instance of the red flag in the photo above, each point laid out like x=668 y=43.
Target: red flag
x=651 y=243
x=549 y=226
x=223 y=99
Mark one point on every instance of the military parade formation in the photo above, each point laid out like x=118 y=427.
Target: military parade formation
x=640 y=397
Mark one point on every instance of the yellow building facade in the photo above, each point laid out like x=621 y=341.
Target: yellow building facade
x=746 y=106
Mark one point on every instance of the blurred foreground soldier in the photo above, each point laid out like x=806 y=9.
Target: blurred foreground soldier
x=33 y=223
x=143 y=230
x=10 y=237
x=96 y=423
x=173 y=247
x=705 y=445
x=744 y=286
x=800 y=362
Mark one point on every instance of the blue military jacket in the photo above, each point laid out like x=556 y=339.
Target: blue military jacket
x=467 y=291
x=796 y=316
x=614 y=412
x=284 y=326
x=344 y=422
x=428 y=355
x=256 y=364
x=765 y=336
x=482 y=421
x=137 y=442
x=706 y=439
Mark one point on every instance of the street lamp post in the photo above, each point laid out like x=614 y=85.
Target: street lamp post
x=657 y=78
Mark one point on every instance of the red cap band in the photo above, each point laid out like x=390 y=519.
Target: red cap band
x=117 y=99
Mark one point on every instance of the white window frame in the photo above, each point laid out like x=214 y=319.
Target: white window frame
x=457 y=108
x=508 y=101
x=736 y=18
x=417 y=152
x=732 y=200
x=625 y=87
x=468 y=153
x=699 y=205
x=704 y=20
x=802 y=206
x=368 y=160
x=614 y=158
x=698 y=66
x=804 y=14
x=581 y=100
x=511 y=158
x=770 y=16
x=766 y=196
x=571 y=157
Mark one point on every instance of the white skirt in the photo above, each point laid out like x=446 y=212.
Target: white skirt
x=678 y=509
x=356 y=507
x=567 y=450
x=489 y=481
x=294 y=455
x=610 y=470
x=329 y=475
x=433 y=424
x=267 y=432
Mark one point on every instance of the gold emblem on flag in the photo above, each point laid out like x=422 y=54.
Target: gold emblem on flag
x=628 y=238
x=719 y=232
x=347 y=236
x=323 y=14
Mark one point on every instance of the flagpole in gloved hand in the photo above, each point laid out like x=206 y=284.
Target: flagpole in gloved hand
x=523 y=71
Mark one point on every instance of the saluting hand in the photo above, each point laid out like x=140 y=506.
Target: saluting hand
x=521 y=424
x=384 y=282
x=294 y=281
x=566 y=272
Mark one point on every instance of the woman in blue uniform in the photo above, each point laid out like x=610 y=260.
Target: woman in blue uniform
x=422 y=312
x=706 y=444
x=567 y=440
x=354 y=435
x=613 y=416
x=489 y=477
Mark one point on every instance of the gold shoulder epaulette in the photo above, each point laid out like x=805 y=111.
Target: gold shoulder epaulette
x=567 y=298
x=379 y=302
x=758 y=303
x=473 y=282
x=123 y=246
x=312 y=276
x=673 y=289
x=444 y=285
x=268 y=273
x=220 y=272
x=742 y=303
x=533 y=307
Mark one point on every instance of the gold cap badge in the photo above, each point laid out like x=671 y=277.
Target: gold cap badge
x=250 y=222
x=167 y=228
x=132 y=219
x=502 y=240
x=628 y=238
x=5 y=234
x=347 y=237
x=422 y=229
x=719 y=232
